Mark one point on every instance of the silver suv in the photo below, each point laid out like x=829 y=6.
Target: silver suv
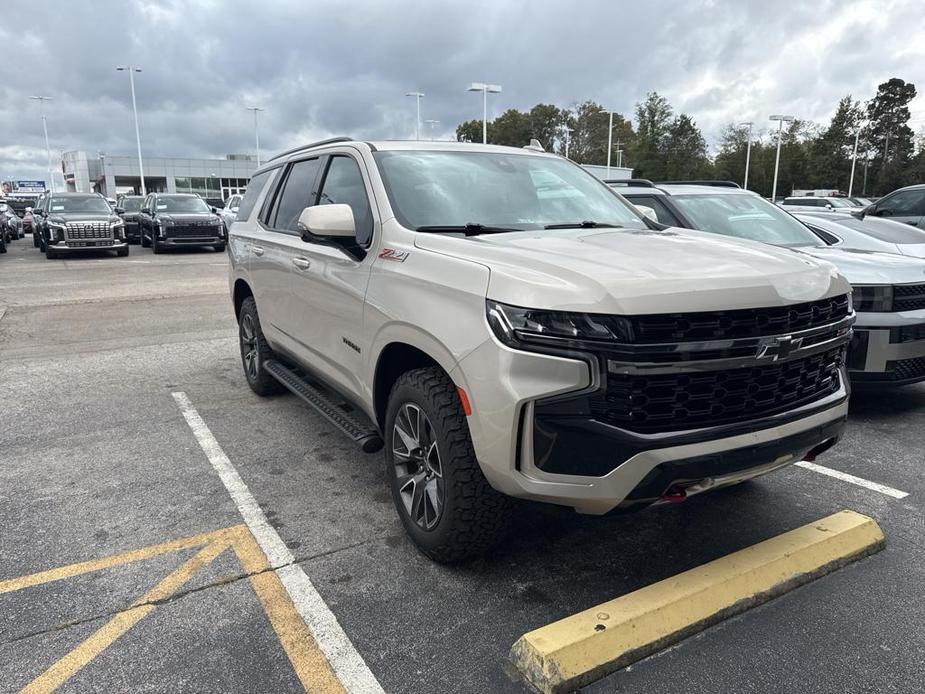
x=506 y=325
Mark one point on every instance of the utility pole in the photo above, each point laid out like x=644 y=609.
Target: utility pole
x=42 y=100
x=748 y=150
x=131 y=78
x=256 y=110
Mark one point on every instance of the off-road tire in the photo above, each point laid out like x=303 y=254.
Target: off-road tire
x=35 y=239
x=474 y=515
x=260 y=381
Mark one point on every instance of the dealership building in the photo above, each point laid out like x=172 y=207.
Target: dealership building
x=111 y=175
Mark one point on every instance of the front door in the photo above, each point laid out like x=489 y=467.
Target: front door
x=904 y=206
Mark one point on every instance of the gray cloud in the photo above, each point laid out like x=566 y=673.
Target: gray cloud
x=330 y=67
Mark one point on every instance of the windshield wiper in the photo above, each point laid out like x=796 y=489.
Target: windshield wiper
x=469 y=229
x=586 y=224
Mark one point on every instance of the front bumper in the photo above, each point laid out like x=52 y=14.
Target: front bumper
x=88 y=245
x=888 y=349
x=178 y=241
x=642 y=467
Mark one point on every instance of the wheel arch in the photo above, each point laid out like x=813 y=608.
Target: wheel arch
x=242 y=290
x=395 y=359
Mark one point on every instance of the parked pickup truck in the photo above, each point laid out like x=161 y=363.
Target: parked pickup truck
x=506 y=325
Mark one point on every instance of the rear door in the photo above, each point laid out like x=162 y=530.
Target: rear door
x=274 y=241
x=904 y=206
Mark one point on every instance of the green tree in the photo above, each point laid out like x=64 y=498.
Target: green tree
x=588 y=122
x=511 y=128
x=830 y=153
x=654 y=117
x=684 y=151
x=889 y=141
x=546 y=122
x=469 y=131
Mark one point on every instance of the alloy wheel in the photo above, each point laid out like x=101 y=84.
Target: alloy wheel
x=249 y=347
x=418 y=469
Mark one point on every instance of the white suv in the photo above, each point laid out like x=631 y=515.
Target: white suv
x=507 y=325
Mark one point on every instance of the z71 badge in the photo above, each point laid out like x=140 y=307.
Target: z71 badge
x=392 y=254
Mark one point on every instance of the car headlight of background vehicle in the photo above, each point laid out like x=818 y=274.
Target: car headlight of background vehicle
x=55 y=231
x=872 y=298
x=514 y=325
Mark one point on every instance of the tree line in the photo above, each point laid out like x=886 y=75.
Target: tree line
x=662 y=145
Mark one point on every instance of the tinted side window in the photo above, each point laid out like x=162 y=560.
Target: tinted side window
x=664 y=215
x=343 y=184
x=254 y=189
x=907 y=202
x=296 y=195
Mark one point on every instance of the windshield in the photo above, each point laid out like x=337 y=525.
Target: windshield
x=89 y=204
x=745 y=216
x=170 y=204
x=131 y=204
x=516 y=191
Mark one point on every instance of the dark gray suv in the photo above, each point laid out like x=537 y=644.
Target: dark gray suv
x=903 y=205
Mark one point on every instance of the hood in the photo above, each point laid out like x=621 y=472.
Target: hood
x=63 y=217
x=871 y=267
x=636 y=271
x=913 y=250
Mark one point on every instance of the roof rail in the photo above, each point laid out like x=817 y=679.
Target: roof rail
x=310 y=145
x=715 y=184
x=641 y=182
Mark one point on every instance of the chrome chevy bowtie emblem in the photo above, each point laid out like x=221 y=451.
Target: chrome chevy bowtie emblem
x=779 y=348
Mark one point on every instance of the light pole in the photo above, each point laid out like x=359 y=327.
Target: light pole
x=780 y=126
x=486 y=89
x=42 y=100
x=417 y=123
x=131 y=69
x=568 y=139
x=256 y=110
x=609 y=142
x=748 y=149
x=430 y=122
x=854 y=158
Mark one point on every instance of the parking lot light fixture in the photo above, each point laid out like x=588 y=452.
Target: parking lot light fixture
x=42 y=100
x=256 y=110
x=486 y=89
x=748 y=149
x=780 y=126
x=131 y=69
x=417 y=122
x=430 y=122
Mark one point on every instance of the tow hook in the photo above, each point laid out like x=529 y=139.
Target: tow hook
x=674 y=495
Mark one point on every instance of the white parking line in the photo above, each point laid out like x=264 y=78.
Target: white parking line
x=346 y=661
x=859 y=481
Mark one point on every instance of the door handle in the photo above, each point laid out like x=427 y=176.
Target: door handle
x=302 y=263
x=257 y=250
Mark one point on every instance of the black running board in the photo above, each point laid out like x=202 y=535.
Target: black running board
x=352 y=422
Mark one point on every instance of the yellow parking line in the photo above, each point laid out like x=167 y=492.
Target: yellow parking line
x=134 y=555
x=101 y=639
x=577 y=650
x=310 y=665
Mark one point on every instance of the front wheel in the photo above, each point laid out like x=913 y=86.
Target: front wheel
x=145 y=243
x=219 y=247
x=444 y=501
x=122 y=252
x=155 y=246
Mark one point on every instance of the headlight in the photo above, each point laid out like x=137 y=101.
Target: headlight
x=514 y=325
x=116 y=225
x=872 y=298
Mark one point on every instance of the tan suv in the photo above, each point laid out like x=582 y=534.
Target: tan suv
x=508 y=326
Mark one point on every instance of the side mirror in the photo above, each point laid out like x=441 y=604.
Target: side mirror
x=119 y=210
x=234 y=209
x=332 y=221
x=214 y=210
x=647 y=211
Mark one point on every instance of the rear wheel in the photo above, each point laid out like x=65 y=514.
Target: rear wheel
x=255 y=351
x=444 y=501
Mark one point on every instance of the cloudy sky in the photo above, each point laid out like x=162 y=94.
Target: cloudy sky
x=322 y=68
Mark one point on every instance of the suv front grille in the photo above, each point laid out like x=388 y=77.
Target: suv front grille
x=739 y=323
x=193 y=229
x=908 y=297
x=88 y=230
x=680 y=401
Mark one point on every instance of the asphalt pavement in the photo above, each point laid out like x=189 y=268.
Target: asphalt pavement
x=98 y=461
